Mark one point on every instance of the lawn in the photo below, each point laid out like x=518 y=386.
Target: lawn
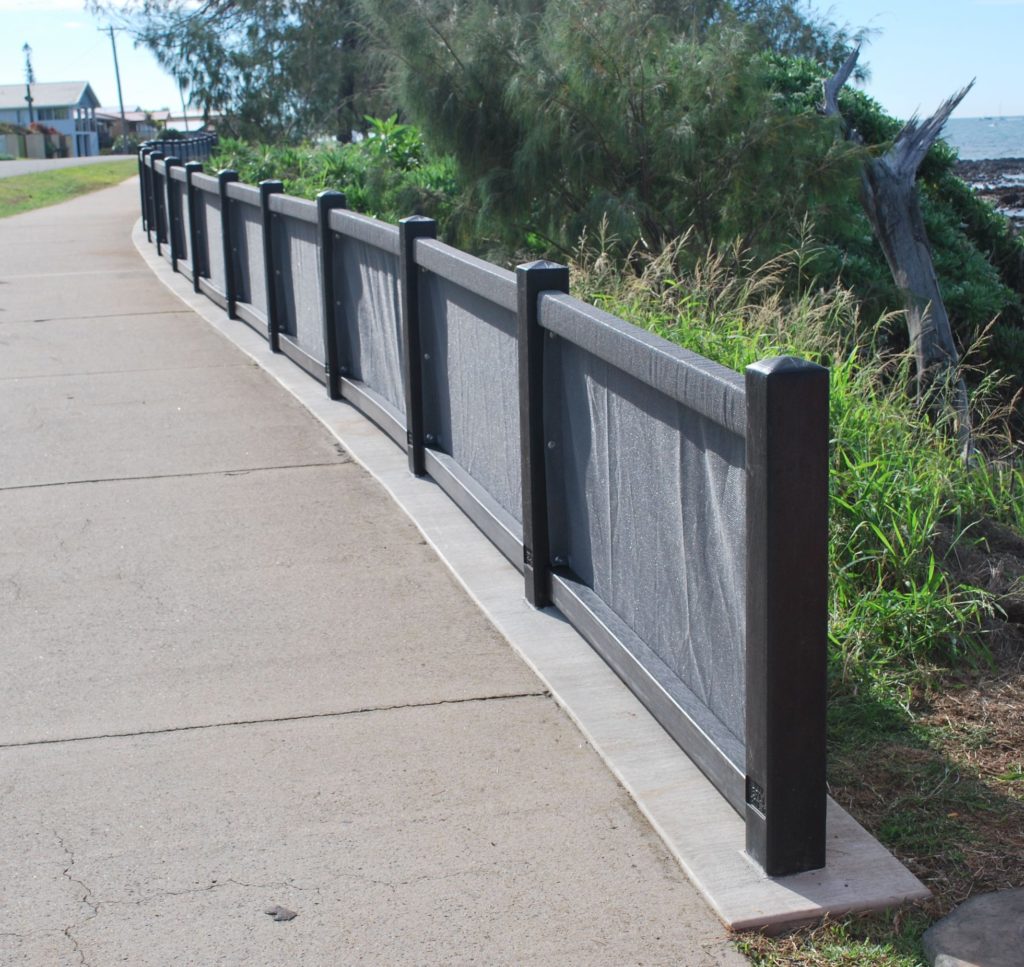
x=22 y=193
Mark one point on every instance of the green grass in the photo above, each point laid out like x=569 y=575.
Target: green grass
x=22 y=193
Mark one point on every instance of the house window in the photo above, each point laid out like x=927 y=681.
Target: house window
x=53 y=114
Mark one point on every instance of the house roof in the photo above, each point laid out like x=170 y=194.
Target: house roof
x=134 y=116
x=58 y=94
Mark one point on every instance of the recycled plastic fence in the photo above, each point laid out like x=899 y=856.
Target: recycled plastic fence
x=673 y=510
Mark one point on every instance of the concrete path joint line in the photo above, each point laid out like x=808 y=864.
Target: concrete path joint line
x=119 y=372
x=103 y=315
x=175 y=476
x=271 y=721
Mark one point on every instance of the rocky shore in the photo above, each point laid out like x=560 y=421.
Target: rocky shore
x=1001 y=182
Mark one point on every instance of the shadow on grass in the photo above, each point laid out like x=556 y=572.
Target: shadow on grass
x=933 y=788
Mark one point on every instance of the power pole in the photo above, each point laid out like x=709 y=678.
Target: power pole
x=30 y=79
x=182 y=84
x=120 y=99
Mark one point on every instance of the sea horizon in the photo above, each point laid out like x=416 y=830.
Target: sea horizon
x=988 y=137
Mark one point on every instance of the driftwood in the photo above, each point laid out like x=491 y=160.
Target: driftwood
x=889 y=197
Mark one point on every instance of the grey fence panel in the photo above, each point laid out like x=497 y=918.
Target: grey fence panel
x=296 y=256
x=186 y=225
x=370 y=339
x=651 y=516
x=159 y=178
x=180 y=227
x=210 y=204
x=471 y=386
x=247 y=240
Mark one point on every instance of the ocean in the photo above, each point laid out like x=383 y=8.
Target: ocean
x=978 y=139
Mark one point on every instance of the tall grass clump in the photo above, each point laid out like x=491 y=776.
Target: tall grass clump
x=902 y=501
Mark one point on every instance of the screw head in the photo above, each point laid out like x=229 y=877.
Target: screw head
x=551 y=444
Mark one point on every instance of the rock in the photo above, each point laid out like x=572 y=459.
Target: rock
x=280 y=913
x=986 y=931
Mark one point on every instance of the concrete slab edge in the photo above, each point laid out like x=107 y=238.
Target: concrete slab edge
x=698 y=826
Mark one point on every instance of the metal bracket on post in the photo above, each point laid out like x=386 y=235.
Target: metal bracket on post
x=410 y=229
x=194 y=232
x=786 y=613
x=174 y=225
x=532 y=279
x=268 y=188
x=155 y=201
x=326 y=201
x=224 y=178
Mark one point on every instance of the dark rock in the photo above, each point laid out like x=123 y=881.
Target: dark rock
x=280 y=913
x=986 y=931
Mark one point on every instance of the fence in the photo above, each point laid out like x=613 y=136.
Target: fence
x=674 y=511
x=197 y=147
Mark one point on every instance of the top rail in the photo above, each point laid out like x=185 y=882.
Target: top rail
x=704 y=386
x=475 y=275
x=292 y=207
x=362 y=228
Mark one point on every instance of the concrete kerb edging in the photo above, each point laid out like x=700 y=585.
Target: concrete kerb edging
x=695 y=822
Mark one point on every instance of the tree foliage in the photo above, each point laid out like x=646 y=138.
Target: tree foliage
x=655 y=116
x=276 y=69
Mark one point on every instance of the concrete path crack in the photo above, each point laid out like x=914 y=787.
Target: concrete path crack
x=86 y=898
x=309 y=717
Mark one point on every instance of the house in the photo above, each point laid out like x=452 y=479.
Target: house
x=67 y=106
x=140 y=124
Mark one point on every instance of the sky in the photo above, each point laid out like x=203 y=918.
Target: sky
x=923 y=51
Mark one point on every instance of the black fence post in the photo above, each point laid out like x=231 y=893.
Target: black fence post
x=156 y=202
x=410 y=229
x=326 y=201
x=150 y=204
x=141 y=155
x=268 y=188
x=174 y=226
x=786 y=613
x=532 y=279
x=194 y=232
x=225 y=178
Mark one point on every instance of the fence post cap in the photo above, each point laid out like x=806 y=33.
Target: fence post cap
x=783 y=364
x=540 y=265
x=330 y=198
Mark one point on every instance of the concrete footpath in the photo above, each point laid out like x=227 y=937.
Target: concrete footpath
x=235 y=676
